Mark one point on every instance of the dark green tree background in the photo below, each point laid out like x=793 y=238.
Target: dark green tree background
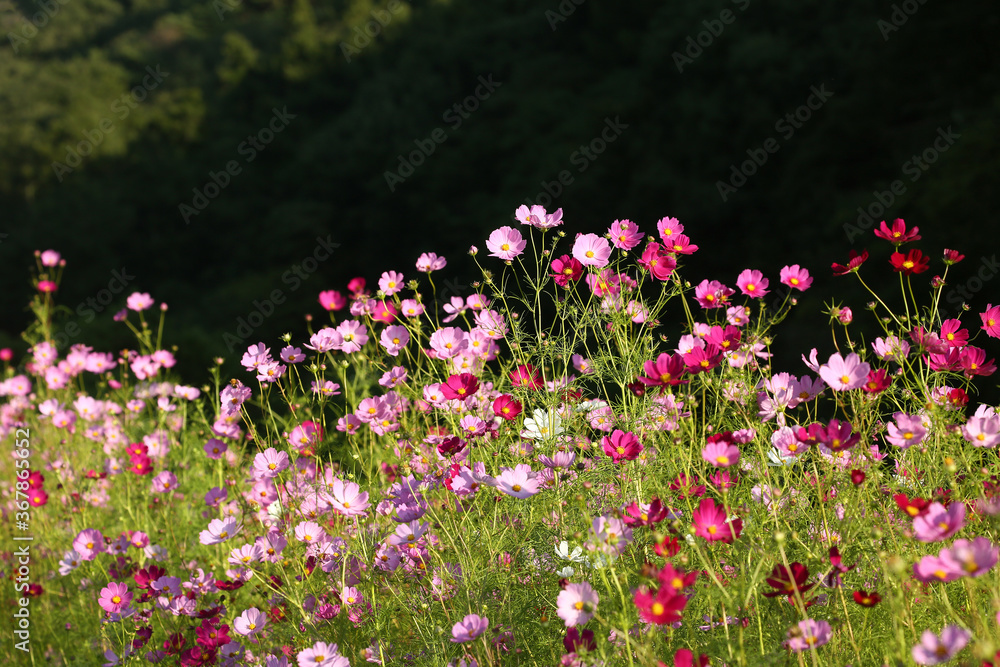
x=689 y=104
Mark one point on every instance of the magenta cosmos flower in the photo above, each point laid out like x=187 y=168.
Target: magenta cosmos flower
x=622 y=446
x=842 y=374
x=939 y=523
x=505 y=243
x=712 y=523
x=576 y=604
x=250 y=622
x=752 y=283
x=808 y=634
x=933 y=650
x=991 y=320
x=592 y=250
x=115 y=597
x=469 y=628
x=625 y=234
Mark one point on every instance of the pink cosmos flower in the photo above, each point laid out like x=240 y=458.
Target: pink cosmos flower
x=658 y=261
x=491 y=324
x=991 y=320
x=354 y=335
x=891 y=349
x=592 y=250
x=469 y=628
x=519 y=482
x=844 y=374
x=219 y=530
x=332 y=300
x=933 y=650
x=752 y=283
x=115 y=597
x=310 y=532
x=576 y=603
x=664 y=370
x=668 y=229
x=321 y=654
x=938 y=522
x=139 y=301
x=721 y=454
x=348 y=498
x=449 y=342
x=625 y=234
x=931 y=569
x=50 y=258
x=250 y=622
x=973 y=558
x=530 y=216
x=89 y=543
x=391 y=282
x=982 y=430
x=270 y=463
x=506 y=243
x=809 y=634
x=622 y=446
x=711 y=522
x=430 y=261
x=907 y=431
x=164 y=482
x=712 y=294
x=795 y=277
x=394 y=338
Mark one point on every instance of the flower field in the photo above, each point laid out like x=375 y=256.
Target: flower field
x=530 y=474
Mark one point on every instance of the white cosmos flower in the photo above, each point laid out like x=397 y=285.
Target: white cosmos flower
x=542 y=425
x=776 y=458
x=576 y=556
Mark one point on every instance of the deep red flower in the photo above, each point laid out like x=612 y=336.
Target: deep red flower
x=897 y=234
x=854 y=262
x=913 y=507
x=147 y=575
x=952 y=257
x=451 y=446
x=566 y=269
x=911 y=263
x=867 y=599
x=668 y=547
x=574 y=641
x=786 y=581
x=877 y=382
